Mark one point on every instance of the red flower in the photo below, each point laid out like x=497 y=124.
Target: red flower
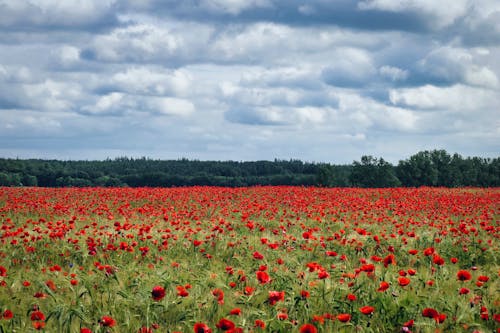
x=107 y=321
x=85 y=330
x=383 y=286
x=235 y=312
x=201 y=328
x=430 y=313
x=463 y=291
x=181 y=291
x=260 y=324
x=483 y=278
x=351 y=297
x=308 y=328
x=7 y=314
x=403 y=281
x=38 y=325
x=258 y=255
x=158 y=293
x=429 y=251
x=263 y=277
x=367 y=310
x=390 y=259
x=225 y=324
x=322 y=274
x=3 y=271
x=37 y=315
x=464 y=275
x=344 y=317
x=219 y=294
x=305 y=294
x=275 y=296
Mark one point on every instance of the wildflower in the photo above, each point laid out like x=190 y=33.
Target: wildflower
x=383 y=286
x=259 y=323
x=275 y=296
x=344 y=317
x=235 y=312
x=464 y=275
x=7 y=314
x=403 y=281
x=367 y=310
x=85 y=330
x=308 y=328
x=201 y=328
x=483 y=278
x=429 y=313
x=225 y=324
x=158 y=293
x=37 y=315
x=107 y=321
x=463 y=291
x=263 y=277
x=219 y=294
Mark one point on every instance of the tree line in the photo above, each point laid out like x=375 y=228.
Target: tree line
x=426 y=168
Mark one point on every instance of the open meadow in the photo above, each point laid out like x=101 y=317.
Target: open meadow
x=254 y=259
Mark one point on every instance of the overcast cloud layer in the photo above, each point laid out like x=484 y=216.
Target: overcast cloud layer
x=314 y=80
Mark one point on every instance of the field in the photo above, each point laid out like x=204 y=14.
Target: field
x=258 y=259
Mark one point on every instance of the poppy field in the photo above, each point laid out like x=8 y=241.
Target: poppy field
x=254 y=259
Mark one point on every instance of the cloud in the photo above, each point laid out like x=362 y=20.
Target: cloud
x=349 y=68
x=119 y=104
x=89 y=14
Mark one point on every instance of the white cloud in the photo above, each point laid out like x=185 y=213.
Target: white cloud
x=119 y=104
x=233 y=7
x=393 y=73
x=457 y=98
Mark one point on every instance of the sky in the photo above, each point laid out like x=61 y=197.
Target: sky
x=316 y=80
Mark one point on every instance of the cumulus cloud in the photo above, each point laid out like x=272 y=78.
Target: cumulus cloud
x=280 y=78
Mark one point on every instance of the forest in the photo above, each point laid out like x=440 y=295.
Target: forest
x=425 y=168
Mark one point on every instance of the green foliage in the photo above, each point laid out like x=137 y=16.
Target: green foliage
x=426 y=168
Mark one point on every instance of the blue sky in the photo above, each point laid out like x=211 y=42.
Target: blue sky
x=317 y=80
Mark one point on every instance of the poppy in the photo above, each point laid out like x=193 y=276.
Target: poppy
x=201 y=328
x=259 y=323
x=85 y=330
x=263 y=277
x=225 y=324
x=308 y=328
x=463 y=291
x=383 y=286
x=107 y=321
x=158 y=293
x=37 y=316
x=235 y=312
x=403 y=281
x=429 y=313
x=344 y=317
x=3 y=271
x=367 y=310
x=7 y=314
x=38 y=325
x=275 y=296
x=464 y=275
x=483 y=278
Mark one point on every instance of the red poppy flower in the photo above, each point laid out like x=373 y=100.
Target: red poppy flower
x=158 y=293
x=38 y=325
x=85 y=330
x=259 y=323
x=344 y=317
x=308 y=328
x=258 y=255
x=383 y=286
x=367 y=310
x=3 y=271
x=7 y=314
x=263 y=277
x=225 y=324
x=322 y=274
x=235 y=312
x=107 y=321
x=403 y=281
x=37 y=315
x=483 y=278
x=201 y=328
x=351 y=297
x=464 y=275
x=429 y=313
x=219 y=294
x=463 y=291
x=276 y=296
